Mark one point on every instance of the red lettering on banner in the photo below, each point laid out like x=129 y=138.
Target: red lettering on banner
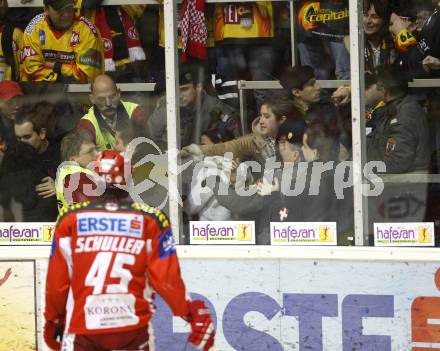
x=423 y=309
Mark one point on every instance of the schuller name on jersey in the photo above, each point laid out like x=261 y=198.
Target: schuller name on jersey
x=103 y=231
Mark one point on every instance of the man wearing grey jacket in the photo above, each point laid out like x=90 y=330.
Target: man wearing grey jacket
x=400 y=138
x=198 y=112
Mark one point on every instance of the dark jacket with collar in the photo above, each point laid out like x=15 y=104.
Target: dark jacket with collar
x=193 y=121
x=400 y=138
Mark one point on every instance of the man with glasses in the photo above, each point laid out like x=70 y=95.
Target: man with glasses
x=108 y=112
x=59 y=45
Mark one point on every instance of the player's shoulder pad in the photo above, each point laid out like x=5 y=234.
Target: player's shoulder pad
x=84 y=21
x=158 y=215
x=34 y=22
x=73 y=208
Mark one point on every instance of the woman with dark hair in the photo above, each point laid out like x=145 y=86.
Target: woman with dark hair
x=379 y=47
x=258 y=145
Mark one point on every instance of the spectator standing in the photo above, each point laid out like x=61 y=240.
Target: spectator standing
x=379 y=46
x=11 y=41
x=124 y=57
x=243 y=34
x=59 y=45
x=400 y=138
x=198 y=111
x=322 y=26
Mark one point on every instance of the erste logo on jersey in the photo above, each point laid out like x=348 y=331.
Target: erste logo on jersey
x=105 y=223
x=167 y=245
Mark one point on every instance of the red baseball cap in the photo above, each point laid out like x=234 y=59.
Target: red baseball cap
x=9 y=89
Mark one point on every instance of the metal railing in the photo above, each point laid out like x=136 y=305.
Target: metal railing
x=324 y=84
x=125 y=87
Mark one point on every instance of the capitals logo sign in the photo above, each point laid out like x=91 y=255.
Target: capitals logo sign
x=305 y=14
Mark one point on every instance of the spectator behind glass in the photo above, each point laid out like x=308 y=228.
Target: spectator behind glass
x=317 y=38
x=31 y=129
x=198 y=110
x=264 y=204
x=108 y=112
x=423 y=10
x=59 y=45
x=374 y=104
x=215 y=136
x=201 y=204
x=328 y=117
x=260 y=144
x=318 y=146
x=379 y=46
x=243 y=34
x=20 y=175
x=300 y=82
x=148 y=166
x=11 y=42
x=400 y=138
x=417 y=57
x=72 y=179
x=434 y=129
x=10 y=105
x=124 y=57
x=293 y=147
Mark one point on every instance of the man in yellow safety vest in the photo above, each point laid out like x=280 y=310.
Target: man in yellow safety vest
x=109 y=111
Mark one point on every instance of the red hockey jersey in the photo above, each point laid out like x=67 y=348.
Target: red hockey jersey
x=107 y=259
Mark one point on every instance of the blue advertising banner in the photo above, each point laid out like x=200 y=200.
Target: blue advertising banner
x=311 y=305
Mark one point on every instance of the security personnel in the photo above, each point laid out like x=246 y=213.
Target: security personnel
x=77 y=152
x=108 y=112
x=59 y=45
x=400 y=138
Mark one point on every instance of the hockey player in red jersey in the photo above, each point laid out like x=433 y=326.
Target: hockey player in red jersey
x=108 y=257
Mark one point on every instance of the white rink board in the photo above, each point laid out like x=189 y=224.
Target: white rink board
x=288 y=301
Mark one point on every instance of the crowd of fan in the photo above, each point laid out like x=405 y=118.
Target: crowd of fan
x=87 y=43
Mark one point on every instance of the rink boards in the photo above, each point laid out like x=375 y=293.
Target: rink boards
x=268 y=298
